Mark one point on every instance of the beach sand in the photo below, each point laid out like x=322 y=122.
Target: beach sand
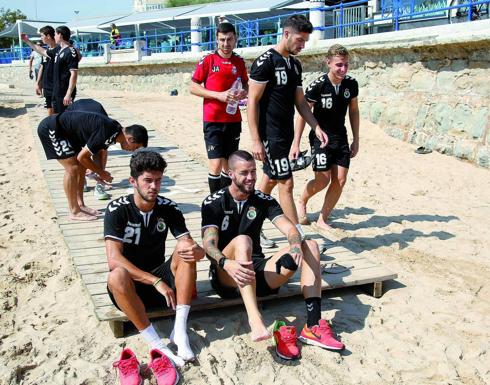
x=426 y=217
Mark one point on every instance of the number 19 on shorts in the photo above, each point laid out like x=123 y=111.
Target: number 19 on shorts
x=281 y=165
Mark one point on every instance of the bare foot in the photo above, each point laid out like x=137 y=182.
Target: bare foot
x=259 y=331
x=322 y=225
x=82 y=216
x=89 y=211
x=302 y=217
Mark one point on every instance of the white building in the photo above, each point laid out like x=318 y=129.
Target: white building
x=148 y=5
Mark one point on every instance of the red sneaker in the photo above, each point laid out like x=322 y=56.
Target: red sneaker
x=285 y=339
x=320 y=335
x=129 y=368
x=163 y=369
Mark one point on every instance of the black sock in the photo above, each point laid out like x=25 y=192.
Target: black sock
x=313 y=311
x=225 y=180
x=214 y=182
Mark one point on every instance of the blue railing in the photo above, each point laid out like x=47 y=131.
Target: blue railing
x=266 y=31
x=7 y=55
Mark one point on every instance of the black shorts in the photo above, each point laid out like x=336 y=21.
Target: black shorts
x=57 y=102
x=55 y=145
x=262 y=289
x=276 y=164
x=221 y=139
x=150 y=296
x=336 y=152
x=48 y=99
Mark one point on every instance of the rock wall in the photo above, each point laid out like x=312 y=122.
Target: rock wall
x=437 y=97
x=428 y=86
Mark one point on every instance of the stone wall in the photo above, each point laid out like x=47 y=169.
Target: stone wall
x=428 y=86
x=437 y=97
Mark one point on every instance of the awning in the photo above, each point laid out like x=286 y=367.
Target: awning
x=150 y=17
x=302 y=5
x=236 y=7
x=92 y=25
x=29 y=27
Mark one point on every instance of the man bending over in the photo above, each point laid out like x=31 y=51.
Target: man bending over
x=72 y=138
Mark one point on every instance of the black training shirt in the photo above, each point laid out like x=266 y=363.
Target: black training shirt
x=283 y=77
x=236 y=218
x=87 y=105
x=65 y=61
x=331 y=104
x=95 y=131
x=143 y=234
x=48 y=69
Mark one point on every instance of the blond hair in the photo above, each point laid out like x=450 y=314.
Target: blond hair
x=337 y=50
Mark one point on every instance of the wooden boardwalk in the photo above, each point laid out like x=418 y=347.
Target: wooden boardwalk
x=185 y=182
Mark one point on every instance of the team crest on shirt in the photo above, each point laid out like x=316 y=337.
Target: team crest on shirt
x=251 y=213
x=215 y=69
x=234 y=70
x=347 y=93
x=161 y=226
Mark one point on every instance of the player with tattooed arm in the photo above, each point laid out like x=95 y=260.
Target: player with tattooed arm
x=231 y=223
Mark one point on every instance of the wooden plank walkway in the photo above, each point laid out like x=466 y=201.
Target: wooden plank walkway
x=185 y=181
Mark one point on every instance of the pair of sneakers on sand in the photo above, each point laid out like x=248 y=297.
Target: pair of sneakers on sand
x=285 y=338
x=161 y=366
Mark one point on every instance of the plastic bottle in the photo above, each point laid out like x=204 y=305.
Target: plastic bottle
x=232 y=106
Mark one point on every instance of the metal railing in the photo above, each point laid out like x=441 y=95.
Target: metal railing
x=350 y=19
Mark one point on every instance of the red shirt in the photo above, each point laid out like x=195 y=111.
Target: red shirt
x=218 y=74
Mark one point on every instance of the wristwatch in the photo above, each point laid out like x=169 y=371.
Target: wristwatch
x=221 y=263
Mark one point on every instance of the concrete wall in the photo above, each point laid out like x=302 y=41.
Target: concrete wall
x=429 y=86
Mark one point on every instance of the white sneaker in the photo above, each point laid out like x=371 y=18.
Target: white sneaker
x=100 y=193
x=265 y=242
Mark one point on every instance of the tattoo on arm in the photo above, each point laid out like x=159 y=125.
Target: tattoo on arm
x=294 y=239
x=210 y=243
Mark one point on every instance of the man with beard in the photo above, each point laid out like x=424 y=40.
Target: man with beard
x=231 y=223
x=135 y=231
x=275 y=89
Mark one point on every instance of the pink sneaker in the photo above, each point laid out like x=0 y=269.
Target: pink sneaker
x=129 y=368
x=163 y=369
x=285 y=339
x=320 y=335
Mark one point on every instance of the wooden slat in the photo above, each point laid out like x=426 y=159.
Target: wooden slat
x=185 y=182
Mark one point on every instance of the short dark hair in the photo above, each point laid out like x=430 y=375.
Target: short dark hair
x=64 y=31
x=239 y=155
x=225 y=28
x=139 y=134
x=47 y=30
x=146 y=160
x=299 y=23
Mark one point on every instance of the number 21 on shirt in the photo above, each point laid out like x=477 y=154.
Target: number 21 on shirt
x=130 y=232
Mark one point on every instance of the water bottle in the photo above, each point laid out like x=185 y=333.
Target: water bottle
x=232 y=106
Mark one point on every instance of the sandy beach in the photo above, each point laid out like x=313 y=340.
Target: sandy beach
x=426 y=217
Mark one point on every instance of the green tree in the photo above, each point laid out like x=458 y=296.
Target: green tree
x=179 y=3
x=8 y=17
